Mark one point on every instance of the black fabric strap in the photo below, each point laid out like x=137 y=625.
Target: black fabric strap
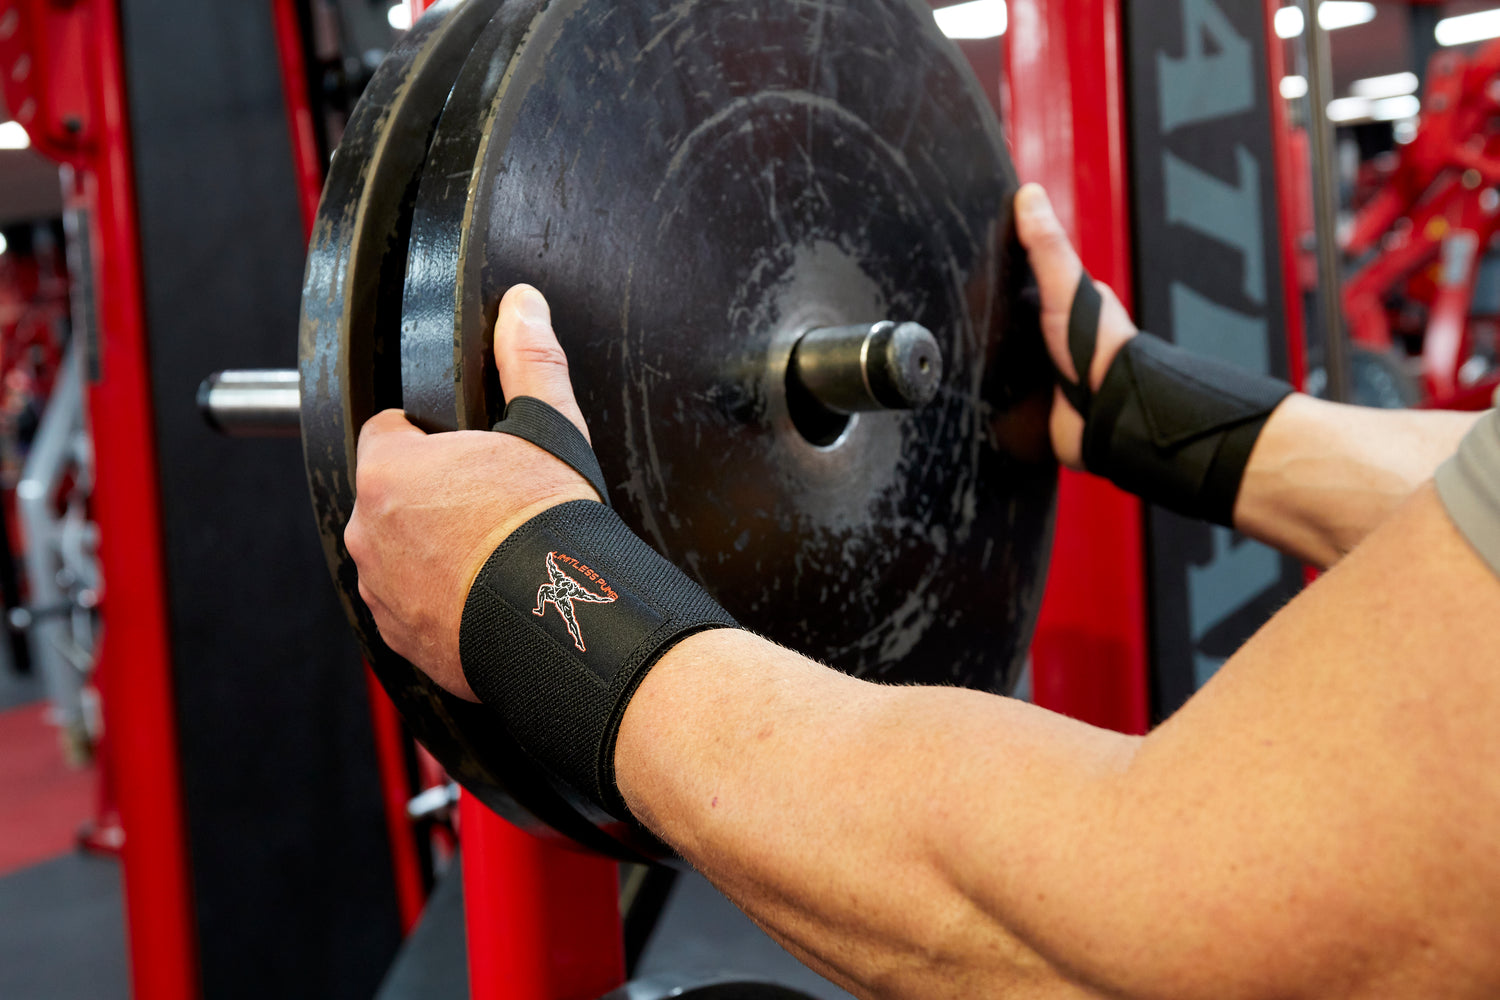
x=1177 y=429
x=1083 y=337
x=561 y=625
x=533 y=420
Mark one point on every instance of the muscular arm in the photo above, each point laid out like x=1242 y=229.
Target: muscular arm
x=1314 y=823
x=1322 y=476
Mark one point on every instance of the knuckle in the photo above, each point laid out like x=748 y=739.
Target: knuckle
x=542 y=354
x=354 y=541
x=371 y=481
x=1051 y=239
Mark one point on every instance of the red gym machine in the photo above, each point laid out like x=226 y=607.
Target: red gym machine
x=1430 y=220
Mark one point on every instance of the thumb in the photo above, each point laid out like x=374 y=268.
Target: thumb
x=530 y=360
x=1053 y=260
x=1052 y=256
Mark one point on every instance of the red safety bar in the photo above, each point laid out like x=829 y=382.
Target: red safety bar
x=543 y=921
x=1067 y=128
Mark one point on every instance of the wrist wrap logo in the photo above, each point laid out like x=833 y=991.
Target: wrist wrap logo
x=563 y=590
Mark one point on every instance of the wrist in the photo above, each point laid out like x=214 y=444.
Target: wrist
x=472 y=562
x=566 y=617
x=644 y=755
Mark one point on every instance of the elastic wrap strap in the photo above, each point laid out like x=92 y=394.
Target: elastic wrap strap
x=532 y=420
x=1178 y=429
x=561 y=625
x=1083 y=337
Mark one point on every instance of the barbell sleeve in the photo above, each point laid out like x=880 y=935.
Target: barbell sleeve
x=254 y=403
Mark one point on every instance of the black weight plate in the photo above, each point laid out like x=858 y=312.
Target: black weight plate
x=695 y=182
x=350 y=370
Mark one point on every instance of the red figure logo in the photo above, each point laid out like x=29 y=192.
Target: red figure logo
x=563 y=590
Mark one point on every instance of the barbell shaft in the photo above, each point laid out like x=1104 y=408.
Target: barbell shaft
x=849 y=369
x=257 y=403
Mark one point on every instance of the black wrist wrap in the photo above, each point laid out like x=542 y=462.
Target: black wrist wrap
x=1177 y=429
x=562 y=624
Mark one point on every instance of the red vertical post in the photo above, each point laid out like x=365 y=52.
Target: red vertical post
x=134 y=658
x=1067 y=103
x=1288 y=174
x=305 y=156
x=395 y=790
x=543 y=921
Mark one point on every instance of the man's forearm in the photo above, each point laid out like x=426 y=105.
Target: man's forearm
x=845 y=817
x=1307 y=826
x=1323 y=476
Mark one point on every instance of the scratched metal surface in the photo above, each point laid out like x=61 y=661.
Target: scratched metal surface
x=693 y=184
x=350 y=369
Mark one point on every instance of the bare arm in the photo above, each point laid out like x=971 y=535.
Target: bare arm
x=1317 y=822
x=1321 y=477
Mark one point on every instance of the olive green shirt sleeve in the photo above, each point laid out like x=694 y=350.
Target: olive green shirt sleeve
x=1469 y=485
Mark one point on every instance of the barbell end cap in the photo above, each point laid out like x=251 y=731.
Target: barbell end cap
x=205 y=407
x=905 y=367
x=869 y=367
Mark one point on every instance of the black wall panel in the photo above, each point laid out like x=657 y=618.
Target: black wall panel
x=290 y=858
x=1208 y=277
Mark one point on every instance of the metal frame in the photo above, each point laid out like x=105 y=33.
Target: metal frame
x=62 y=571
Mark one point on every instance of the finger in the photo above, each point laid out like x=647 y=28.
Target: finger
x=383 y=427
x=1053 y=259
x=530 y=359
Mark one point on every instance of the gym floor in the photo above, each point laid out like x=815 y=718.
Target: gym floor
x=62 y=927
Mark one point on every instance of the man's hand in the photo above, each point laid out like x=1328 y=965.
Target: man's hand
x=431 y=508
x=1057 y=271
